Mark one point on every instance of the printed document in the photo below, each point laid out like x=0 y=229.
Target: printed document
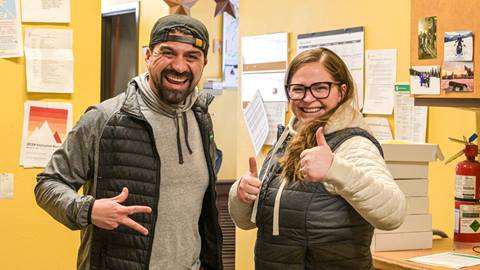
x=256 y=122
x=45 y=127
x=49 y=60
x=11 y=44
x=52 y=11
x=381 y=75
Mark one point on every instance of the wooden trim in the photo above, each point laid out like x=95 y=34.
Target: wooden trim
x=265 y=66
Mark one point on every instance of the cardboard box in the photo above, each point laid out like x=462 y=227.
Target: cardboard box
x=402 y=241
x=417 y=205
x=412 y=223
x=408 y=170
x=411 y=152
x=413 y=187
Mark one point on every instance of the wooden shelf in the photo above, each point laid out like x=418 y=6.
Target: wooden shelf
x=449 y=102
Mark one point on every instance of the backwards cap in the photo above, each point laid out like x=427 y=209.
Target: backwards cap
x=163 y=26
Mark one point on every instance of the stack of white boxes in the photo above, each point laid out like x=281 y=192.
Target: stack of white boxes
x=408 y=164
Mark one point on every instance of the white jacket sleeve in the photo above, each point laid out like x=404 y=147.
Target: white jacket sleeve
x=240 y=212
x=359 y=174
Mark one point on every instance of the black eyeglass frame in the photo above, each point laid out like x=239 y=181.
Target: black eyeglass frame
x=309 y=88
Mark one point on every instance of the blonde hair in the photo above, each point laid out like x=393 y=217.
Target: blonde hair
x=305 y=138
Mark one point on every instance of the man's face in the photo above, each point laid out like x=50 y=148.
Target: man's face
x=175 y=69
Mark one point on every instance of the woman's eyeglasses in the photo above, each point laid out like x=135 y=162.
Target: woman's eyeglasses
x=319 y=90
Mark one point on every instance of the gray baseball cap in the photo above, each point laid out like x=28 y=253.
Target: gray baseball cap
x=162 y=28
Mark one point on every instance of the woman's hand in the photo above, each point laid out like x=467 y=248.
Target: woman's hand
x=315 y=162
x=249 y=185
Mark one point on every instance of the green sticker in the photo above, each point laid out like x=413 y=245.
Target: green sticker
x=402 y=88
x=475 y=225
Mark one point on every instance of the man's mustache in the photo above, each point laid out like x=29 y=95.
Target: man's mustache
x=186 y=74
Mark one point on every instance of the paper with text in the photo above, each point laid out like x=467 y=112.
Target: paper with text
x=6 y=185
x=11 y=44
x=45 y=127
x=410 y=120
x=52 y=11
x=380 y=76
x=380 y=128
x=448 y=259
x=49 y=60
x=256 y=122
x=276 y=116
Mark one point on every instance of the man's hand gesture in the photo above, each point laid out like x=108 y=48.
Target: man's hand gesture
x=109 y=213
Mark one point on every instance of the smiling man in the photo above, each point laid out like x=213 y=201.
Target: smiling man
x=147 y=162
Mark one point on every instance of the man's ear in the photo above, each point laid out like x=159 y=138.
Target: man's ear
x=206 y=61
x=148 y=54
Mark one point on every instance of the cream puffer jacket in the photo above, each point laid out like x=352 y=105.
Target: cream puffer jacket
x=374 y=194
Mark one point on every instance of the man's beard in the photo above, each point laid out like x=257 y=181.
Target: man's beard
x=168 y=95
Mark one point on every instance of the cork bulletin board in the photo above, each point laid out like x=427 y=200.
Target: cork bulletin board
x=452 y=16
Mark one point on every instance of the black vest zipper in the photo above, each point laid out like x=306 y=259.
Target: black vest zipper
x=204 y=131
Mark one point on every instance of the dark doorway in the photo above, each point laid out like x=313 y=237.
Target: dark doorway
x=119 y=48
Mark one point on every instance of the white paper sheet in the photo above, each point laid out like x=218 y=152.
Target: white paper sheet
x=381 y=75
x=269 y=48
x=49 y=60
x=230 y=48
x=256 y=122
x=270 y=85
x=11 y=44
x=410 y=121
x=53 y=11
x=347 y=43
x=6 y=185
x=448 y=259
x=45 y=127
x=380 y=128
x=276 y=116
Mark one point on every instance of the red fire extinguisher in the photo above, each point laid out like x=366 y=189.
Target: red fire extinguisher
x=467 y=197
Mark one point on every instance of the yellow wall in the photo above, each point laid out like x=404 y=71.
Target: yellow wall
x=30 y=239
x=33 y=240
x=387 y=25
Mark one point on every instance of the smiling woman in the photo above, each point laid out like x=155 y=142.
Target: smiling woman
x=324 y=182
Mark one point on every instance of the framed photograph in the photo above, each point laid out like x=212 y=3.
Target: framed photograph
x=457 y=76
x=458 y=46
x=425 y=80
x=427 y=38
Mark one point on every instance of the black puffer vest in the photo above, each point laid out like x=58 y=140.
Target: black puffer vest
x=317 y=230
x=128 y=158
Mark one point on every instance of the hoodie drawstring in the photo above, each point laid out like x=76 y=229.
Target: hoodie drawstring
x=179 y=147
x=185 y=131
x=185 y=134
x=276 y=210
x=276 y=207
